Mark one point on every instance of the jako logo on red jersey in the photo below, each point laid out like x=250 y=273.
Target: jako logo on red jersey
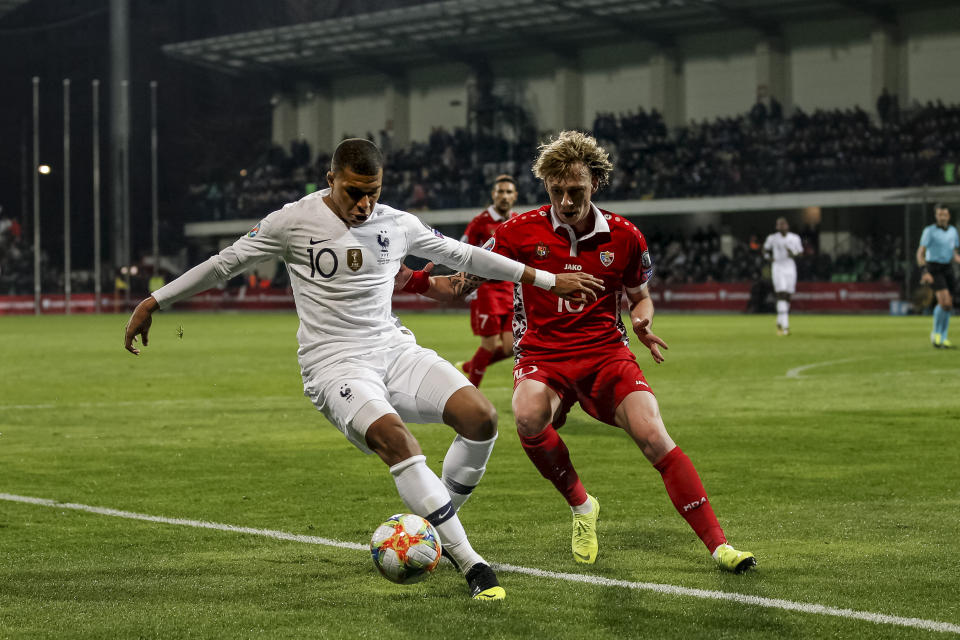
x=573 y=267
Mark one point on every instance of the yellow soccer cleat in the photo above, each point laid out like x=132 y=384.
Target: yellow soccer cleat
x=585 y=545
x=946 y=344
x=484 y=584
x=729 y=559
x=937 y=340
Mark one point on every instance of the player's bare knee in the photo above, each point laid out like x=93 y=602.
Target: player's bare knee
x=531 y=420
x=471 y=415
x=390 y=439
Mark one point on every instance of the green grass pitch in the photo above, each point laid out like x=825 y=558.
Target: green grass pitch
x=832 y=454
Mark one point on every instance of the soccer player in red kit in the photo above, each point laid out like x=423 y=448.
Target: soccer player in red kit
x=491 y=311
x=570 y=352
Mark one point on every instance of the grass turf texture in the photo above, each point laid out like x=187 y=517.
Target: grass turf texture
x=842 y=480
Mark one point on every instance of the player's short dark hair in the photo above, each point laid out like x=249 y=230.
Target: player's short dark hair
x=358 y=154
x=940 y=205
x=503 y=177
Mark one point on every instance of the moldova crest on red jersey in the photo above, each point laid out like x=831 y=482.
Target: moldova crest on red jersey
x=606 y=258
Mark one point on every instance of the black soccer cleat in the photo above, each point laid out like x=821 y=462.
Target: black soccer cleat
x=484 y=584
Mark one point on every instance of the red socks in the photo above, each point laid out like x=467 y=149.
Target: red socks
x=689 y=497
x=477 y=366
x=552 y=459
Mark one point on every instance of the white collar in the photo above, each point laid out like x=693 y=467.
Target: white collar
x=599 y=226
x=495 y=214
x=599 y=222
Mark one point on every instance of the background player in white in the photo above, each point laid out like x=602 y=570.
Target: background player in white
x=360 y=366
x=781 y=248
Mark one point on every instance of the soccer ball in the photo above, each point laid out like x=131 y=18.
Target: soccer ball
x=405 y=548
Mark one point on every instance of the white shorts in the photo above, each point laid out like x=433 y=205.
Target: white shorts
x=784 y=277
x=409 y=380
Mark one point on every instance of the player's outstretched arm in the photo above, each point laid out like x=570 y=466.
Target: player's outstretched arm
x=139 y=324
x=575 y=287
x=641 y=316
x=569 y=286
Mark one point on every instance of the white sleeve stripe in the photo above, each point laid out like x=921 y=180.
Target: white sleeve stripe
x=637 y=289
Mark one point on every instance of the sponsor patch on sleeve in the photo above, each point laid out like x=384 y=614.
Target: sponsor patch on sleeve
x=489 y=244
x=256 y=229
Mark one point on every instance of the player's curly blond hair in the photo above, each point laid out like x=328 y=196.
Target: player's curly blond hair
x=568 y=148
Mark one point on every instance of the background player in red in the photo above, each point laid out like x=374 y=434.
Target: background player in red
x=571 y=352
x=491 y=311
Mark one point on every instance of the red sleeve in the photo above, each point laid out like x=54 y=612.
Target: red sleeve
x=640 y=267
x=470 y=233
x=501 y=241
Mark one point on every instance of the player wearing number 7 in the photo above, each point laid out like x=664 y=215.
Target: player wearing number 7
x=360 y=366
x=577 y=351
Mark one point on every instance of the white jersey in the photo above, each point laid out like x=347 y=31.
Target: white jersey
x=342 y=277
x=781 y=246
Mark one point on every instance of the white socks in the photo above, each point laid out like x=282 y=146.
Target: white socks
x=783 y=314
x=583 y=509
x=463 y=466
x=424 y=494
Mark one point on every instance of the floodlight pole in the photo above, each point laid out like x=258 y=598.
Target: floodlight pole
x=125 y=204
x=36 y=195
x=153 y=177
x=66 y=197
x=97 y=276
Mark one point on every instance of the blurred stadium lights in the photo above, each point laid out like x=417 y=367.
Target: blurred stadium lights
x=44 y=169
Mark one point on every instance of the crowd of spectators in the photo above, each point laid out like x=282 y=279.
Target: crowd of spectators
x=16 y=257
x=278 y=177
x=757 y=152
x=699 y=257
x=764 y=152
x=761 y=151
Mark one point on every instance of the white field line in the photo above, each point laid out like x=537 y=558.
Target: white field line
x=772 y=603
x=797 y=371
x=200 y=524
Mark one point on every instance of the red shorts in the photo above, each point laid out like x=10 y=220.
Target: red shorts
x=484 y=323
x=598 y=382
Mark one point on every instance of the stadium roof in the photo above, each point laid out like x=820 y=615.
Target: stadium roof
x=6 y=6
x=469 y=31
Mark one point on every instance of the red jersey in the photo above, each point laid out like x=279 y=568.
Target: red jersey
x=548 y=327
x=495 y=298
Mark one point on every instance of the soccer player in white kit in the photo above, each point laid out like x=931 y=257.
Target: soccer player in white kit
x=361 y=368
x=781 y=248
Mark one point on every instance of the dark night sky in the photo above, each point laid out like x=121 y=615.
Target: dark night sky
x=209 y=122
